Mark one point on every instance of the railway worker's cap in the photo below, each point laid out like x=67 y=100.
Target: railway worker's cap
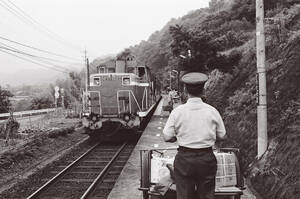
x=194 y=78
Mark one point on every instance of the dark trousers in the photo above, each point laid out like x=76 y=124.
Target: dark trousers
x=194 y=172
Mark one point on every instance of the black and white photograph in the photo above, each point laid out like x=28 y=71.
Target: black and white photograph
x=149 y=99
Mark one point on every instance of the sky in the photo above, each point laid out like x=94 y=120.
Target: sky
x=68 y=27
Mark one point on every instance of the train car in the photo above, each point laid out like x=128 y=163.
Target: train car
x=120 y=96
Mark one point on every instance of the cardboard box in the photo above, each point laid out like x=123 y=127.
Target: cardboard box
x=159 y=169
x=226 y=170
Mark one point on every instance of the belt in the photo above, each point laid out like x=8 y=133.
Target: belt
x=186 y=149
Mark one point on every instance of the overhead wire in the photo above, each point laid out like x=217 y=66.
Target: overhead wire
x=44 y=27
x=38 y=49
x=26 y=18
x=34 y=56
x=49 y=65
x=28 y=60
x=7 y=47
x=9 y=9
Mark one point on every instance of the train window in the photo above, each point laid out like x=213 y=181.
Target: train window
x=97 y=81
x=125 y=81
x=141 y=71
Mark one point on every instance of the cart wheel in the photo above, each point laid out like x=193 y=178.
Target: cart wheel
x=145 y=170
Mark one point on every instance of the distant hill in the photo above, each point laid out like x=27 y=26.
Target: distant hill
x=30 y=77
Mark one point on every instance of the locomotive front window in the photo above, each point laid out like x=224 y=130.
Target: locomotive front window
x=97 y=81
x=126 y=81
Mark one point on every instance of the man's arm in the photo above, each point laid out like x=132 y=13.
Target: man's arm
x=169 y=130
x=220 y=127
x=168 y=138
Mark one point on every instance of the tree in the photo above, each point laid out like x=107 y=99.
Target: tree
x=4 y=100
x=124 y=54
x=41 y=103
x=204 y=55
x=76 y=86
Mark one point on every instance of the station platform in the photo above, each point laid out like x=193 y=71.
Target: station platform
x=129 y=180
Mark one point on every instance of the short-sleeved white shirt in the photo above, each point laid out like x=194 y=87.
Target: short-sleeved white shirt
x=195 y=124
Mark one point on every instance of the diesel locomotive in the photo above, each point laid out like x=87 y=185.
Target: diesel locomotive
x=120 y=96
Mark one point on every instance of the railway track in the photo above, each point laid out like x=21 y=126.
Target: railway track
x=92 y=175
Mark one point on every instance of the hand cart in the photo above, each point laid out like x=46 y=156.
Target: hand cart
x=147 y=184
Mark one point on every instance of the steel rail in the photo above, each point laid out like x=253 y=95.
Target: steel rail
x=103 y=172
x=52 y=180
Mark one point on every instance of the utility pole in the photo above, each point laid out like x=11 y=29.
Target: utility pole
x=87 y=71
x=262 y=133
x=87 y=82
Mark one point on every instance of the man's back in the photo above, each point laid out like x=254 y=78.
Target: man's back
x=196 y=124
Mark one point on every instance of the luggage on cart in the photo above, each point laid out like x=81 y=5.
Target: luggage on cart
x=156 y=180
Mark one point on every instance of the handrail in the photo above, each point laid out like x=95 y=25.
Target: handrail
x=130 y=93
x=143 y=99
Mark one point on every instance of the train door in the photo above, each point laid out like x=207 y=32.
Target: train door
x=95 y=102
x=124 y=101
x=127 y=102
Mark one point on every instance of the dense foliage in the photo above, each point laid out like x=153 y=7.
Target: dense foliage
x=41 y=103
x=4 y=100
x=72 y=89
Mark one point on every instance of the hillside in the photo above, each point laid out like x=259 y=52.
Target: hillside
x=222 y=41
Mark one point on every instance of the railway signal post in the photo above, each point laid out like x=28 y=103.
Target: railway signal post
x=262 y=134
x=56 y=95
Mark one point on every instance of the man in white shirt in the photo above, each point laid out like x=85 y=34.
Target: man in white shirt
x=196 y=126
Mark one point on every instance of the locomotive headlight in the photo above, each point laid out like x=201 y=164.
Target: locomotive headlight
x=126 y=118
